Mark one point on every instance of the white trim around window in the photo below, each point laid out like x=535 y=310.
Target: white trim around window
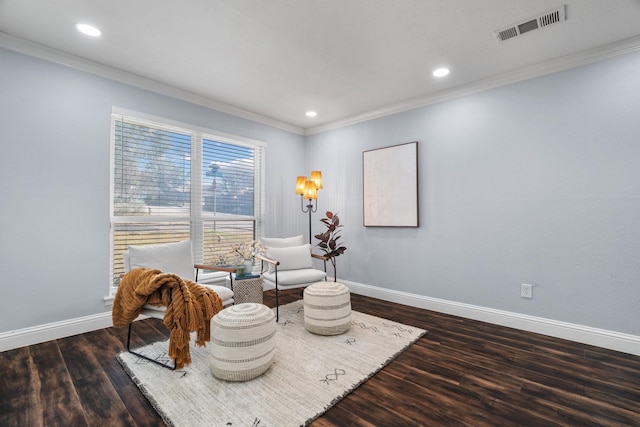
x=173 y=181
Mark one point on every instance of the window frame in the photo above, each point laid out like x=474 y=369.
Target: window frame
x=197 y=216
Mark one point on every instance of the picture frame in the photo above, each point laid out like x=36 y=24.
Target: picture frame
x=390 y=180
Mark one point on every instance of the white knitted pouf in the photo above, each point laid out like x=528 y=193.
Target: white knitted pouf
x=327 y=308
x=243 y=341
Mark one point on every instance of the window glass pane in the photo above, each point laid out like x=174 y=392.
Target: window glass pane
x=144 y=233
x=228 y=178
x=221 y=237
x=151 y=171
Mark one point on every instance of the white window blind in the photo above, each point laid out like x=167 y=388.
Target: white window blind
x=157 y=199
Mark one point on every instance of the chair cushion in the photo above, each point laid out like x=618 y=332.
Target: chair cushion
x=225 y=294
x=206 y=277
x=154 y=311
x=173 y=258
x=279 y=242
x=298 y=278
x=291 y=258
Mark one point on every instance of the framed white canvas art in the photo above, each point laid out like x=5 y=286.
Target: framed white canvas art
x=391 y=186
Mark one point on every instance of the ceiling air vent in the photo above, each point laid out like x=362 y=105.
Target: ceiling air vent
x=543 y=20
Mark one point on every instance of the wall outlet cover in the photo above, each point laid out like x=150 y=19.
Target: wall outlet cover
x=526 y=290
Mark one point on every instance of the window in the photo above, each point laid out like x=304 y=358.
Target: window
x=172 y=183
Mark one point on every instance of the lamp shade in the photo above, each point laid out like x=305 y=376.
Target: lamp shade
x=310 y=190
x=316 y=177
x=300 y=183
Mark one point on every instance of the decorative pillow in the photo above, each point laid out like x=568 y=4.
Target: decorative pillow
x=291 y=258
x=278 y=242
x=173 y=258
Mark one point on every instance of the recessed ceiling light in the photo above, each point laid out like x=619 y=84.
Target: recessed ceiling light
x=89 y=30
x=311 y=114
x=441 y=72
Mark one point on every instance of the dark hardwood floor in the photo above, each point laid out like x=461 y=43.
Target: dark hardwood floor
x=461 y=373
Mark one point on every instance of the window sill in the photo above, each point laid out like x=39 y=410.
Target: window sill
x=108 y=300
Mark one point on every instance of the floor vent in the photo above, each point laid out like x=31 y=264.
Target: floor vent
x=543 y=20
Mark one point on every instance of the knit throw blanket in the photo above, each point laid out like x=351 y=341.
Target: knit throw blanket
x=190 y=307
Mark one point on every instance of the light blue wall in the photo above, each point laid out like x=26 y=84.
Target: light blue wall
x=536 y=182
x=54 y=183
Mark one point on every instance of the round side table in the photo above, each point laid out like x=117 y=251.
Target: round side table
x=246 y=290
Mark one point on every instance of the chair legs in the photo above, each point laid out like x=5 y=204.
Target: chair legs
x=164 y=365
x=277 y=303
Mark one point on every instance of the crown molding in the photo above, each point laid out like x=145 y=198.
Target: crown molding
x=56 y=56
x=559 y=64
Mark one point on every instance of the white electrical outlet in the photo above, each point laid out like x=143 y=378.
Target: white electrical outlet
x=526 y=291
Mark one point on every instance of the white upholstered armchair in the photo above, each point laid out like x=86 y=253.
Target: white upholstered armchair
x=176 y=258
x=288 y=264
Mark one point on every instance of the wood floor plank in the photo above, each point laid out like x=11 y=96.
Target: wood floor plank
x=370 y=411
x=482 y=399
x=109 y=341
x=106 y=341
x=461 y=373
x=573 y=407
x=341 y=416
x=19 y=390
x=58 y=396
x=101 y=403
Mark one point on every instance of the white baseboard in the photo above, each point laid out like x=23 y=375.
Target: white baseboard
x=599 y=337
x=584 y=334
x=51 y=331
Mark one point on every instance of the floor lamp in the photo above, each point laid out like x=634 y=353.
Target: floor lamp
x=308 y=189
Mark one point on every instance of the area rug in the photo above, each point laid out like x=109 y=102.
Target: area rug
x=310 y=374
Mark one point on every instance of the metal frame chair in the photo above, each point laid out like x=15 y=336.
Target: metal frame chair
x=312 y=277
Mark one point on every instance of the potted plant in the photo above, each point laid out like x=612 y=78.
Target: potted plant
x=329 y=240
x=242 y=256
x=246 y=253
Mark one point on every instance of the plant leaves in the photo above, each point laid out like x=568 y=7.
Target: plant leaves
x=329 y=240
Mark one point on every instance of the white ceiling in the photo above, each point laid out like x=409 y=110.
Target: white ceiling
x=346 y=59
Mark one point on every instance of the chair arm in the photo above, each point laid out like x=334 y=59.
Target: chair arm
x=229 y=270
x=269 y=260
x=277 y=263
x=215 y=268
x=322 y=257
x=274 y=262
x=324 y=261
